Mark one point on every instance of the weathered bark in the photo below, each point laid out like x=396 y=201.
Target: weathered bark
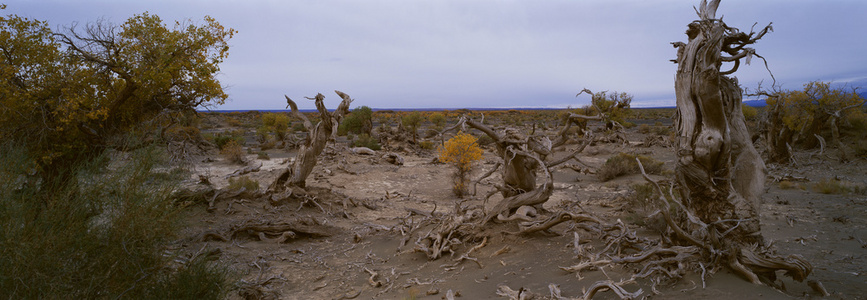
x=519 y=170
x=778 y=135
x=718 y=168
x=317 y=138
x=522 y=156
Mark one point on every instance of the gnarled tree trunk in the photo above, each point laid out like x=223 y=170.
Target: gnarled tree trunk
x=522 y=156
x=317 y=137
x=719 y=170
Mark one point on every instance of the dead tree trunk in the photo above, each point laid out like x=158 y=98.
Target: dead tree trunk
x=718 y=168
x=522 y=156
x=317 y=137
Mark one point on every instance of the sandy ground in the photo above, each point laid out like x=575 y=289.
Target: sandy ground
x=365 y=201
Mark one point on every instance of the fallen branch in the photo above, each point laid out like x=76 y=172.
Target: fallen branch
x=614 y=287
x=531 y=227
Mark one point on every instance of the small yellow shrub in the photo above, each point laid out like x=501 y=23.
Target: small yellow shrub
x=461 y=151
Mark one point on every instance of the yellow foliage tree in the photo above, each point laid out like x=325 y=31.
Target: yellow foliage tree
x=461 y=151
x=67 y=95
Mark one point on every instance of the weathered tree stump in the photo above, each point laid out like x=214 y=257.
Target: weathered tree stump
x=720 y=172
x=317 y=138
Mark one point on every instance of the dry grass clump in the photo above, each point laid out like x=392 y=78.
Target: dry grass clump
x=788 y=185
x=243 y=182
x=233 y=152
x=835 y=186
x=624 y=164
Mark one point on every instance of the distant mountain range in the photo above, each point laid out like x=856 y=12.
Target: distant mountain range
x=755 y=103
x=761 y=102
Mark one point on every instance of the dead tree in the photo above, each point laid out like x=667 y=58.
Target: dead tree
x=317 y=137
x=522 y=156
x=718 y=169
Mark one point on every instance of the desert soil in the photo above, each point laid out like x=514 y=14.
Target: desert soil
x=361 y=200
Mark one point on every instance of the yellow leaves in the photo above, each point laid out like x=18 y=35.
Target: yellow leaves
x=461 y=151
x=66 y=93
x=800 y=108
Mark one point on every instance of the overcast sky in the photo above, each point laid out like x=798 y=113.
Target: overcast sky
x=474 y=54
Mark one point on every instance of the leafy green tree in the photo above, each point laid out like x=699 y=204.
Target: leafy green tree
x=68 y=95
x=359 y=121
x=438 y=120
x=278 y=124
x=614 y=107
x=411 y=122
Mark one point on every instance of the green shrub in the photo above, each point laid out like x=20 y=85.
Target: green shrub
x=101 y=235
x=358 y=121
x=411 y=122
x=750 y=113
x=223 y=138
x=438 y=120
x=625 y=164
x=365 y=140
x=263 y=155
x=298 y=127
x=484 y=140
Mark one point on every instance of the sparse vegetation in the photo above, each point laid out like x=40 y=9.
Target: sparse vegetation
x=836 y=186
x=411 y=122
x=365 y=140
x=223 y=138
x=236 y=183
x=359 y=121
x=625 y=164
x=110 y=228
x=233 y=152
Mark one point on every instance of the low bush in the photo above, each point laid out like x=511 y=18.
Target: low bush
x=233 y=152
x=625 y=164
x=263 y=155
x=222 y=138
x=365 y=140
x=484 y=140
x=100 y=235
x=644 y=129
x=427 y=145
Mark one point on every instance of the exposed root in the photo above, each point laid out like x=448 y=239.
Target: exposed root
x=531 y=227
x=616 y=287
x=446 y=233
x=282 y=232
x=372 y=279
x=466 y=256
x=520 y=294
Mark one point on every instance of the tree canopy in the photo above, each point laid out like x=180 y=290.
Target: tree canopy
x=67 y=94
